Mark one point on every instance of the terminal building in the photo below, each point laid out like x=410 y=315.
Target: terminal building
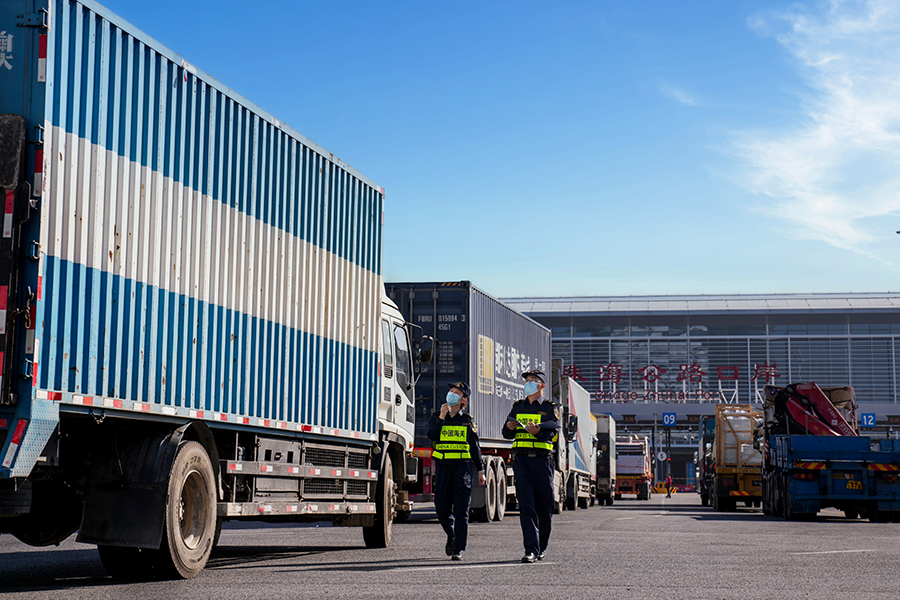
x=658 y=363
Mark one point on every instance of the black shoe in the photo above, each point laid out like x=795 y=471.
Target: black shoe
x=457 y=555
x=529 y=557
x=541 y=555
x=449 y=547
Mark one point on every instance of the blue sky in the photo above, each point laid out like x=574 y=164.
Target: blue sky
x=589 y=148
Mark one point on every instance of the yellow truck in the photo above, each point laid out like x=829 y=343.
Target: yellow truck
x=737 y=464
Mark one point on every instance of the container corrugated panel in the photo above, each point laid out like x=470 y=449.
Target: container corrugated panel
x=478 y=340
x=199 y=256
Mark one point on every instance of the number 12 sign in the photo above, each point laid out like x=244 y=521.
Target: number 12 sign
x=867 y=420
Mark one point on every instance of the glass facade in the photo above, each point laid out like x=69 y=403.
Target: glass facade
x=711 y=356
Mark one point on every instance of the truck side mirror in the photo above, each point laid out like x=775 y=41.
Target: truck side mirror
x=571 y=428
x=426 y=349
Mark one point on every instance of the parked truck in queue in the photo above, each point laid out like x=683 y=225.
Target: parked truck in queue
x=193 y=327
x=736 y=474
x=815 y=459
x=606 y=459
x=576 y=449
x=633 y=467
x=480 y=340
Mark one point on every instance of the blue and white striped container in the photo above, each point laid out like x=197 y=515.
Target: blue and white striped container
x=198 y=258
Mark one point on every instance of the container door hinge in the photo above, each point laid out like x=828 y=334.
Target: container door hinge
x=28 y=369
x=38 y=19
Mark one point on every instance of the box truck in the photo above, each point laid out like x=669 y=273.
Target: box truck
x=606 y=459
x=193 y=325
x=633 y=463
x=480 y=340
x=577 y=445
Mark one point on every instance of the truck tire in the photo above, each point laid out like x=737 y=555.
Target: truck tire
x=485 y=513
x=704 y=499
x=583 y=503
x=379 y=535
x=609 y=500
x=190 y=524
x=500 y=511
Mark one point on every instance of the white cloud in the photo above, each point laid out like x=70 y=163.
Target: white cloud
x=677 y=94
x=841 y=166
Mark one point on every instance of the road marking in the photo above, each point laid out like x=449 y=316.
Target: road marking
x=458 y=566
x=832 y=552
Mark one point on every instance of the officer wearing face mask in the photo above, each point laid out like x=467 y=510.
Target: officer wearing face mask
x=534 y=425
x=456 y=453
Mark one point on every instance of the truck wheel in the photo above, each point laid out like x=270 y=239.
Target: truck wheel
x=570 y=502
x=500 y=511
x=379 y=534
x=485 y=513
x=190 y=526
x=704 y=500
x=609 y=500
x=851 y=513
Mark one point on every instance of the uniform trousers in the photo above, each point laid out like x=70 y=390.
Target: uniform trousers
x=453 y=497
x=534 y=492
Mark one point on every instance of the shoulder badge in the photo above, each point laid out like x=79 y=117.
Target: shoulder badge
x=474 y=427
x=556 y=413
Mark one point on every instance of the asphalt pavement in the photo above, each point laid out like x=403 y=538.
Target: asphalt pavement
x=658 y=549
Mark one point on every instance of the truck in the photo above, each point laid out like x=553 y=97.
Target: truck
x=706 y=466
x=479 y=340
x=576 y=449
x=606 y=459
x=633 y=464
x=193 y=325
x=736 y=474
x=814 y=457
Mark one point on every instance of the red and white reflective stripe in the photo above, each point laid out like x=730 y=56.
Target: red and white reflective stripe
x=294 y=470
x=29 y=331
x=4 y=293
x=8 y=214
x=14 y=442
x=265 y=508
x=38 y=171
x=42 y=58
x=290 y=508
x=266 y=468
x=335 y=472
x=196 y=414
x=235 y=467
x=315 y=471
x=83 y=400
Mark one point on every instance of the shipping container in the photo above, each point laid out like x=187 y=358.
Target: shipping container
x=179 y=268
x=483 y=342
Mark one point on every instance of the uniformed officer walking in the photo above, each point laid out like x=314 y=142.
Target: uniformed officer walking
x=534 y=425
x=457 y=453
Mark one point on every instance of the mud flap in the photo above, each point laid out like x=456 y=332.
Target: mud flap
x=125 y=502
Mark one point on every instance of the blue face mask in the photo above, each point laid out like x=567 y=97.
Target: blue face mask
x=453 y=398
x=531 y=387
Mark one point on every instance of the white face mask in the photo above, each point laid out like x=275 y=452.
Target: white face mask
x=531 y=387
x=452 y=398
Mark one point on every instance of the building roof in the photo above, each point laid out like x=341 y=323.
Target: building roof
x=706 y=304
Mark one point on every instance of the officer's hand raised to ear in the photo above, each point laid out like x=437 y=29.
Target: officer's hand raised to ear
x=445 y=408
